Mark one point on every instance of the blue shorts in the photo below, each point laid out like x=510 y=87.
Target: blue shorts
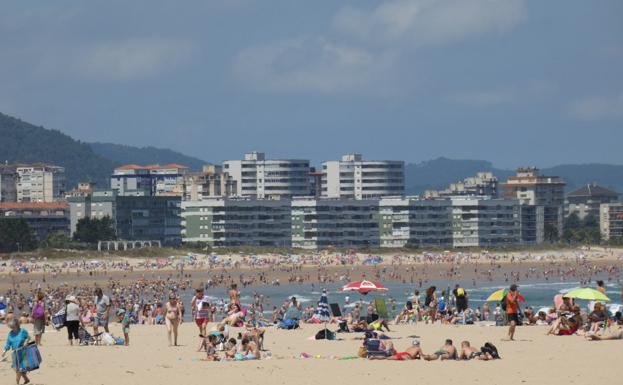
x=97 y=321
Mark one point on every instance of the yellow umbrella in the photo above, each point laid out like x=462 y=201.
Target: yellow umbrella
x=587 y=293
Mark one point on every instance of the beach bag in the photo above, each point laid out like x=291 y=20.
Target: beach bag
x=59 y=319
x=108 y=340
x=325 y=334
x=38 y=312
x=460 y=292
x=289 y=324
x=27 y=358
x=362 y=352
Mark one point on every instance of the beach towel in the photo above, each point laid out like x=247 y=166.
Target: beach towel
x=288 y=324
x=27 y=358
x=381 y=308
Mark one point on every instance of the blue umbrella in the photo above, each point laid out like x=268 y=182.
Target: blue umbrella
x=322 y=311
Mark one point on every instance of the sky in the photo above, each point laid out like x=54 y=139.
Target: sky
x=516 y=82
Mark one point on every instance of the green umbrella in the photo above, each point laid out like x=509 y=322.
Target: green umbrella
x=587 y=293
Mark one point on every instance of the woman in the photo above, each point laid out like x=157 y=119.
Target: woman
x=567 y=325
x=39 y=317
x=17 y=338
x=72 y=320
x=172 y=318
x=430 y=302
x=234 y=316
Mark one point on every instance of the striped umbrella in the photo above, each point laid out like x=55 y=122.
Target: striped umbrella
x=364 y=287
x=322 y=311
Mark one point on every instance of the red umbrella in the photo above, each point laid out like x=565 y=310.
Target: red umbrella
x=364 y=287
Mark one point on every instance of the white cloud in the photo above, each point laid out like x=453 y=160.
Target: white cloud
x=429 y=21
x=308 y=64
x=598 y=108
x=133 y=58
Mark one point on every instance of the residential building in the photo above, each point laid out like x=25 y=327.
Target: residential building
x=611 y=221
x=145 y=218
x=210 y=183
x=150 y=180
x=261 y=178
x=39 y=182
x=547 y=192
x=586 y=200
x=484 y=222
x=44 y=218
x=85 y=203
x=220 y=222
x=352 y=177
x=344 y=223
x=483 y=184
x=8 y=183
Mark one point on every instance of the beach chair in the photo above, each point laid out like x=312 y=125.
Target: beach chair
x=373 y=347
x=335 y=310
x=86 y=338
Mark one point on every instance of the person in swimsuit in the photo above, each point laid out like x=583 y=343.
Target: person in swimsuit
x=414 y=352
x=446 y=352
x=235 y=315
x=172 y=318
x=234 y=294
x=614 y=333
x=468 y=352
x=201 y=310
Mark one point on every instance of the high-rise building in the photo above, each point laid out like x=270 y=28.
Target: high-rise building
x=8 y=183
x=483 y=184
x=586 y=200
x=150 y=180
x=38 y=182
x=86 y=203
x=611 y=221
x=210 y=183
x=546 y=193
x=261 y=178
x=149 y=218
x=353 y=177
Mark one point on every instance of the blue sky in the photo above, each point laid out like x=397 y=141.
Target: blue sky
x=512 y=81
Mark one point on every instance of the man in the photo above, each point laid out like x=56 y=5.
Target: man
x=102 y=311
x=446 y=352
x=414 y=352
x=201 y=310
x=512 y=311
x=460 y=298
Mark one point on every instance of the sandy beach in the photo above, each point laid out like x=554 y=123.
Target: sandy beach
x=534 y=358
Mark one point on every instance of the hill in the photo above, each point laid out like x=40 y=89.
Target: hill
x=23 y=142
x=144 y=155
x=438 y=173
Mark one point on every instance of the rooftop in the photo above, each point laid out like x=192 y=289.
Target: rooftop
x=33 y=205
x=593 y=189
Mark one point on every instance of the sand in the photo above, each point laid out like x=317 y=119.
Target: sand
x=534 y=358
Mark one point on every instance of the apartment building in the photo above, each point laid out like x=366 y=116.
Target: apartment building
x=150 y=180
x=86 y=203
x=544 y=192
x=37 y=182
x=149 y=218
x=8 y=184
x=44 y=218
x=211 y=182
x=353 y=177
x=611 y=220
x=587 y=200
x=483 y=184
x=261 y=178
x=483 y=222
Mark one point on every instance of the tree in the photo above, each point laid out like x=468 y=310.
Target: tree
x=93 y=230
x=58 y=241
x=550 y=232
x=16 y=235
x=572 y=222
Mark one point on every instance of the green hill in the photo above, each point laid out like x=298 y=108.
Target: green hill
x=22 y=142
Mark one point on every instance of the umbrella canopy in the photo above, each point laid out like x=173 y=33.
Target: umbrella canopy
x=322 y=312
x=364 y=287
x=587 y=293
x=501 y=293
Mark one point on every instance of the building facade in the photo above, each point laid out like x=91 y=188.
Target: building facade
x=8 y=184
x=238 y=222
x=212 y=182
x=149 y=218
x=352 y=177
x=483 y=184
x=611 y=221
x=91 y=204
x=261 y=178
x=150 y=180
x=44 y=218
x=586 y=200
x=547 y=192
x=37 y=182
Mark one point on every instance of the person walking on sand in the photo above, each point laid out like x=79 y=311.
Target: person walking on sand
x=39 y=317
x=512 y=310
x=172 y=318
x=18 y=337
x=102 y=311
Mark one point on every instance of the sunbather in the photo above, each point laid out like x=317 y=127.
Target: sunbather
x=414 y=352
x=446 y=352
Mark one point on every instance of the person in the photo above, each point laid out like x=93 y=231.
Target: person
x=72 y=318
x=430 y=302
x=414 y=352
x=597 y=317
x=102 y=311
x=39 y=317
x=17 y=338
x=234 y=294
x=512 y=311
x=234 y=316
x=446 y=352
x=567 y=324
x=201 y=310
x=614 y=332
x=601 y=287
x=460 y=298
x=172 y=318
x=468 y=352
x=124 y=316
x=407 y=314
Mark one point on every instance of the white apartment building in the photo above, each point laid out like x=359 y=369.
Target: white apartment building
x=352 y=177
x=611 y=220
x=261 y=178
x=150 y=180
x=39 y=182
x=483 y=222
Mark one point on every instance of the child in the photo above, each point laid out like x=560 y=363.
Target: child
x=211 y=348
x=124 y=318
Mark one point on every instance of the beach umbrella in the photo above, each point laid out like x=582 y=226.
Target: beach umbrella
x=588 y=294
x=2 y=306
x=501 y=293
x=322 y=311
x=364 y=287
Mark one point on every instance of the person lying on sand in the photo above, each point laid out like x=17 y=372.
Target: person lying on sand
x=614 y=333
x=468 y=352
x=414 y=352
x=446 y=352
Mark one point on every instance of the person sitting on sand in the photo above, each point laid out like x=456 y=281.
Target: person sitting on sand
x=378 y=325
x=210 y=347
x=597 y=317
x=567 y=325
x=407 y=314
x=250 y=347
x=446 y=352
x=235 y=315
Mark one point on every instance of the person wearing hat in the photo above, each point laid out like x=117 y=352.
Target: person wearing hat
x=72 y=318
x=413 y=352
x=124 y=317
